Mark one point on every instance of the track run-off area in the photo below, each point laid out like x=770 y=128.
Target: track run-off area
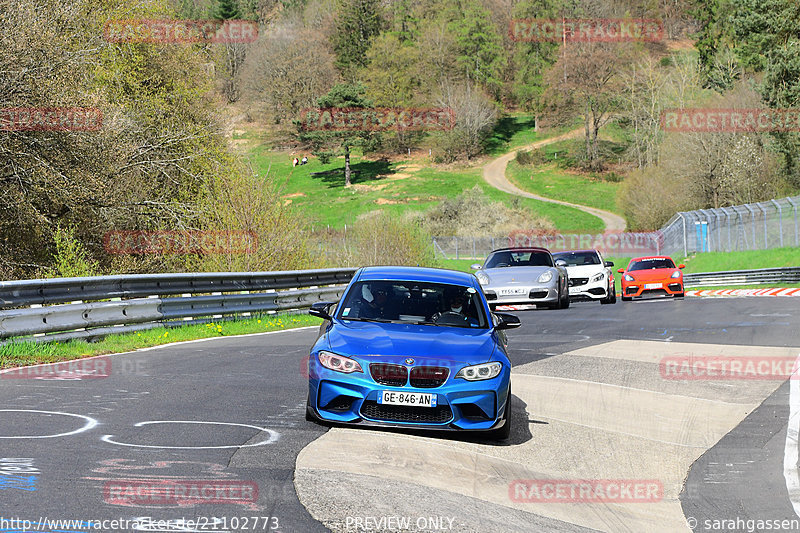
x=615 y=428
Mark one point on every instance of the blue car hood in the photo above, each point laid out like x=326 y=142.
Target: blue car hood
x=392 y=342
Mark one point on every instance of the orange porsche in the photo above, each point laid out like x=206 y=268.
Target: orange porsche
x=653 y=275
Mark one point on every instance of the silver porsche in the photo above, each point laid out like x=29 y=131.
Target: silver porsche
x=513 y=276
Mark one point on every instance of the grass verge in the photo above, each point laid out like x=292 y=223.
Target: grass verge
x=31 y=353
x=551 y=182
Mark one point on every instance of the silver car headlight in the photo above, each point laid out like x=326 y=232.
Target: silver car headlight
x=483 y=279
x=479 y=372
x=597 y=277
x=545 y=277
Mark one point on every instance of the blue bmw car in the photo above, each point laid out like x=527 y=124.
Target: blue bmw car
x=412 y=347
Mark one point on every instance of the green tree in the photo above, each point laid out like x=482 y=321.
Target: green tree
x=327 y=143
x=767 y=36
x=479 y=50
x=358 y=23
x=532 y=59
x=226 y=10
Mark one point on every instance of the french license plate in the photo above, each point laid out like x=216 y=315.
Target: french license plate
x=574 y=290
x=417 y=399
x=509 y=292
x=652 y=285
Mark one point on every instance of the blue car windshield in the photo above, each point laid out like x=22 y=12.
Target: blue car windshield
x=507 y=258
x=415 y=302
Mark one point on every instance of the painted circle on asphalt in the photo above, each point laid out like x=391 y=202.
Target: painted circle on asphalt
x=88 y=424
x=272 y=436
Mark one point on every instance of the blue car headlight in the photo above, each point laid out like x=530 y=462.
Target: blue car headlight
x=338 y=362
x=545 y=277
x=480 y=372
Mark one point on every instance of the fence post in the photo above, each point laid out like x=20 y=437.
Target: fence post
x=456 y=238
x=796 y=241
x=780 y=221
x=685 y=244
x=473 y=246
x=764 y=209
x=753 y=222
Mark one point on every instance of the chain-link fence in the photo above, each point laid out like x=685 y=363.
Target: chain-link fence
x=763 y=225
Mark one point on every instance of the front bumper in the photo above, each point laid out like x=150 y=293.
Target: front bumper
x=592 y=291
x=635 y=289
x=461 y=405
x=546 y=293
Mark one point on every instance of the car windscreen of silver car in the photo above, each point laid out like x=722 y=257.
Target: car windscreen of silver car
x=509 y=259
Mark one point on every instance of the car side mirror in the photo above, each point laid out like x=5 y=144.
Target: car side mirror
x=321 y=310
x=475 y=266
x=621 y=270
x=506 y=321
x=681 y=266
x=608 y=263
x=561 y=263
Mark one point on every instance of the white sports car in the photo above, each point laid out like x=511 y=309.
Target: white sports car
x=590 y=277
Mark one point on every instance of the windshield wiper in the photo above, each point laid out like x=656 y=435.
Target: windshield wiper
x=362 y=319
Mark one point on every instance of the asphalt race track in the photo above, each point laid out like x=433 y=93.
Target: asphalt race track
x=211 y=436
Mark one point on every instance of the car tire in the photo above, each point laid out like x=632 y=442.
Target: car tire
x=681 y=295
x=309 y=414
x=504 y=432
x=626 y=298
x=610 y=299
x=565 y=301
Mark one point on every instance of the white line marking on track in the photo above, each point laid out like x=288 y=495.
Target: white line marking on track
x=273 y=436
x=90 y=423
x=790 y=452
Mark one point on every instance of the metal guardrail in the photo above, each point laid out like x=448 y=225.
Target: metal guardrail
x=136 y=302
x=743 y=277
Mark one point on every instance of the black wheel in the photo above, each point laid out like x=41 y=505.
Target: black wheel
x=681 y=295
x=309 y=412
x=626 y=298
x=611 y=298
x=565 y=300
x=504 y=432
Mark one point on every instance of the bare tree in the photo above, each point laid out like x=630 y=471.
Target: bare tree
x=475 y=116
